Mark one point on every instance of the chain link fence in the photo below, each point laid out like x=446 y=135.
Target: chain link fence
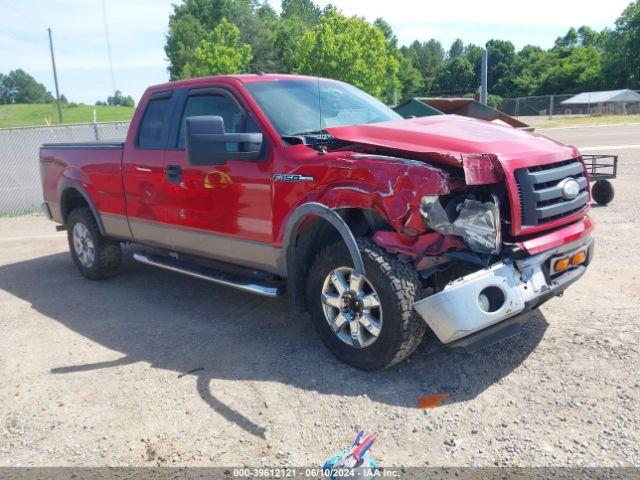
x=20 y=189
x=549 y=105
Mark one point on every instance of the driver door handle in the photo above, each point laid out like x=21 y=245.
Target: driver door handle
x=174 y=173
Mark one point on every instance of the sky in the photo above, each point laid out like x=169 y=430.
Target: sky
x=137 y=29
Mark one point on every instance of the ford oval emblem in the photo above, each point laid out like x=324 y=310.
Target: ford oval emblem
x=570 y=188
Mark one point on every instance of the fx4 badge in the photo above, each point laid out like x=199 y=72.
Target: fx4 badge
x=289 y=177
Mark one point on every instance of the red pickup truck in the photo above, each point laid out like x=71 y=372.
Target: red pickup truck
x=379 y=227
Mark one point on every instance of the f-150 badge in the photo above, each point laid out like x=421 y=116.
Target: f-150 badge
x=289 y=177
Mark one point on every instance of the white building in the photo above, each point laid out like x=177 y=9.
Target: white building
x=599 y=103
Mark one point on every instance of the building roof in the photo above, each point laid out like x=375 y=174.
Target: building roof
x=612 y=96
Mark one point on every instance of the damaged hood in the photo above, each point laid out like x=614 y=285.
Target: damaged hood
x=450 y=138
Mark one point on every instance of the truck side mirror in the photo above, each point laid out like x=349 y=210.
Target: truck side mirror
x=208 y=144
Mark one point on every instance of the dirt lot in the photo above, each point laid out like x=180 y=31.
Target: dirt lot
x=96 y=373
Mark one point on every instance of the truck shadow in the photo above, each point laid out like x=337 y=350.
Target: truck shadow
x=214 y=333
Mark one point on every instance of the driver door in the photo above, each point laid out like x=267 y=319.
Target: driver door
x=219 y=210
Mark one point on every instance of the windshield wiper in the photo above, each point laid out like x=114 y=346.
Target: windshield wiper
x=317 y=139
x=310 y=133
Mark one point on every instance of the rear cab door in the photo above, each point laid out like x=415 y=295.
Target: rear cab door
x=143 y=168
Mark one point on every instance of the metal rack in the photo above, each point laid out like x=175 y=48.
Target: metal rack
x=601 y=169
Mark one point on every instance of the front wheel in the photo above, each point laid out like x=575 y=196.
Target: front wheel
x=367 y=321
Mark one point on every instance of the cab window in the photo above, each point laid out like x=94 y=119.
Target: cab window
x=153 y=123
x=221 y=105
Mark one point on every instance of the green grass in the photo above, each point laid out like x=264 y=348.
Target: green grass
x=24 y=115
x=20 y=213
x=569 y=121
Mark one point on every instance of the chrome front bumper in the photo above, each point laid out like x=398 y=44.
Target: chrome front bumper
x=521 y=285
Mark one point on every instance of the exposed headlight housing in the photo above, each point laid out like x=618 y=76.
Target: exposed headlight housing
x=478 y=223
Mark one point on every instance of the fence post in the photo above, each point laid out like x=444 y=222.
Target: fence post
x=96 y=131
x=551 y=107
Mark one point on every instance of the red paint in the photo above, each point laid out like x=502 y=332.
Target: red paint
x=481 y=169
x=428 y=244
x=452 y=140
x=440 y=153
x=564 y=235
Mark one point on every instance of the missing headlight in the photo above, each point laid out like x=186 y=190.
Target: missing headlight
x=478 y=223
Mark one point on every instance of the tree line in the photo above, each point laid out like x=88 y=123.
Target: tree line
x=209 y=37
x=19 y=87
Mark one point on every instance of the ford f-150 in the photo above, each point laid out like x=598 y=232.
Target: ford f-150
x=381 y=228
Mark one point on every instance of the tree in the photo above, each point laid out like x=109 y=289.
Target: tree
x=117 y=100
x=391 y=90
x=220 y=53
x=456 y=75
x=258 y=31
x=530 y=66
x=588 y=37
x=20 y=87
x=473 y=53
x=304 y=10
x=428 y=58
x=579 y=70
x=622 y=49
x=348 y=49
x=387 y=31
x=456 y=49
x=185 y=34
x=500 y=73
x=297 y=17
x=4 y=90
x=192 y=21
x=409 y=76
x=570 y=39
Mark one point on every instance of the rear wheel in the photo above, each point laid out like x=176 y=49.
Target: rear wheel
x=95 y=256
x=367 y=321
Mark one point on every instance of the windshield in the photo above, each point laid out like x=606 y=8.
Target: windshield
x=293 y=108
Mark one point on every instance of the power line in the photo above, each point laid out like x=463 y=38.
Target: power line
x=106 y=31
x=20 y=12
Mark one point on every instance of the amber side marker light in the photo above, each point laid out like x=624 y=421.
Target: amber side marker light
x=579 y=258
x=562 y=264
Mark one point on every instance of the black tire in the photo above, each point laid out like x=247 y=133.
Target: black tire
x=602 y=192
x=398 y=288
x=107 y=253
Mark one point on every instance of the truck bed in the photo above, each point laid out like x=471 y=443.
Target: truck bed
x=95 y=167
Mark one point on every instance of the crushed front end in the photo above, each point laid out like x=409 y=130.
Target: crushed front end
x=507 y=229
x=491 y=304
x=503 y=249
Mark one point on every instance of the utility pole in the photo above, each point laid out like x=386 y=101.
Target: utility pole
x=55 y=75
x=483 y=78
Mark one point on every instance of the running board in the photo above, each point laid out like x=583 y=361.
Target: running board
x=210 y=275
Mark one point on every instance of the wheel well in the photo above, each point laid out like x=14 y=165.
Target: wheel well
x=314 y=234
x=71 y=199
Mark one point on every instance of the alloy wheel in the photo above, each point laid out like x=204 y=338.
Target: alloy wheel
x=352 y=307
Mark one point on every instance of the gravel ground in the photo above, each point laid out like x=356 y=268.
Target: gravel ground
x=97 y=373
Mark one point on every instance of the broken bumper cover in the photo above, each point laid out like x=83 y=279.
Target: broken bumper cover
x=490 y=305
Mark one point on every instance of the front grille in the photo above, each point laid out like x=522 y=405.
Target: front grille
x=541 y=196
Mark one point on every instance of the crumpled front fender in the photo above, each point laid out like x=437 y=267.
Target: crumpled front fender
x=392 y=187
